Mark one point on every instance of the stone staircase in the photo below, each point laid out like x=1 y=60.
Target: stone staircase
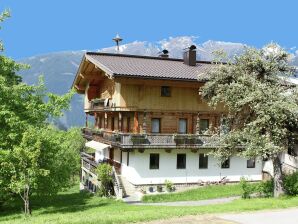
x=130 y=192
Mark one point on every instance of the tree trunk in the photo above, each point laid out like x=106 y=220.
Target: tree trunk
x=26 y=199
x=277 y=177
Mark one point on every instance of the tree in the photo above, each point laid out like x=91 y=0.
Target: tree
x=104 y=172
x=262 y=107
x=34 y=156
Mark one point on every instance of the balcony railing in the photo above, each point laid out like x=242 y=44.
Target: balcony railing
x=150 y=140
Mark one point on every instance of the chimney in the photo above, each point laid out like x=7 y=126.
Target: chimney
x=164 y=53
x=190 y=56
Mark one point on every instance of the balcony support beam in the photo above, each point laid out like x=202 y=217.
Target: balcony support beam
x=120 y=121
x=135 y=123
x=106 y=120
x=198 y=124
x=145 y=123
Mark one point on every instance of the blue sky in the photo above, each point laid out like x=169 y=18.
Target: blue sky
x=38 y=27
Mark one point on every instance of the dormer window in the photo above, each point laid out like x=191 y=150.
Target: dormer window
x=166 y=91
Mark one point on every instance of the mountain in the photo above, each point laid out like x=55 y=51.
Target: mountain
x=59 y=68
x=59 y=71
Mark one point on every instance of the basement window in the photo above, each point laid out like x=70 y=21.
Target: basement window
x=165 y=91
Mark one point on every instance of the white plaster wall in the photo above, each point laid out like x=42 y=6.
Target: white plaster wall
x=290 y=160
x=138 y=171
x=117 y=155
x=101 y=154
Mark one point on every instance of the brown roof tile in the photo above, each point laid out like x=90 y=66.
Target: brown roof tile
x=149 y=67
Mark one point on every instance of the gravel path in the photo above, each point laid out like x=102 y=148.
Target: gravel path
x=189 y=203
x=286 y=216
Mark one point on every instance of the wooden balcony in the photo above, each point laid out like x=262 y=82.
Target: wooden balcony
x=150 y=140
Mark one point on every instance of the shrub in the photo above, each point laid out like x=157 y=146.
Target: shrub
x=266 y=188
x=291 y=183
x=247 y=188
x=169 y=185
x=104 y=172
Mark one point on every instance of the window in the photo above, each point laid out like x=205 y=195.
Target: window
x=182 y=126
x=225 y=164
x=181 y=161
x=203 y=161
x=251 y=163
x=204 y=125
x=224 y=127
x=155 y=125
x=165 y=91
x=154 y=161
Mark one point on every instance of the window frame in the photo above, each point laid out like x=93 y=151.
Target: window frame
x=159 y=119
x=151 y=167
x=208 y=125
x=165 y=91
x=186 y=124
x=184 y=156
x=204 y=156
x=254 y=163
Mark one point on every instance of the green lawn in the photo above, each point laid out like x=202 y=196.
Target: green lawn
x=75 y=207
x=201 y=193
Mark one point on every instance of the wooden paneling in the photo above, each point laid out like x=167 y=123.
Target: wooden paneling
x=149 y=97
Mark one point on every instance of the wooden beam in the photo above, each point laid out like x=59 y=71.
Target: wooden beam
x=135 y=123
x=78 y=88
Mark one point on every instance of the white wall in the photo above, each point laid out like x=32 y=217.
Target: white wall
x=138 y=171
x=101 y=154
x=117 y=155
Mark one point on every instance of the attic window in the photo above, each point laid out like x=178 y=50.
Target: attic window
x=165 y=91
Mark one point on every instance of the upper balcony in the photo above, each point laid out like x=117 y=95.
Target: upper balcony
x=151 y=140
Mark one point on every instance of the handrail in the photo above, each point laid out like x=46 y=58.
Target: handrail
x=118 y=188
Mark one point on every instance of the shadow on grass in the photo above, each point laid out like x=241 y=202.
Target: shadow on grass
x=62 y=203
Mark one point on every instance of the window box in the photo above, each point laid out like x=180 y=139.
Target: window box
x=139 y=139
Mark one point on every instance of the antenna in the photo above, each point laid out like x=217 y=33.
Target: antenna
x=117 y=39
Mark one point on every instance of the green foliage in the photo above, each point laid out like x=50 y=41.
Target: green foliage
x=291 y=183
x=35 y=158
x=247 y=188
x=169 y=185
x=265 y=188
x=104 y=172
x=4 y=15
x=262 y=110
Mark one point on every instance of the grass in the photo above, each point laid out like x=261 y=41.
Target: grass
x=75 y=207
x=202 y=193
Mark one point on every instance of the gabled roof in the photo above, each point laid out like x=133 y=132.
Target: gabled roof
x=135 y=66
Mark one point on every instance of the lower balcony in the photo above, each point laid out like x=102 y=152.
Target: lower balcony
x=150 y=140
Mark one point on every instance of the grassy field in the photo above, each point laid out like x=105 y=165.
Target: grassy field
x=216 y=191
x=75 y=207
